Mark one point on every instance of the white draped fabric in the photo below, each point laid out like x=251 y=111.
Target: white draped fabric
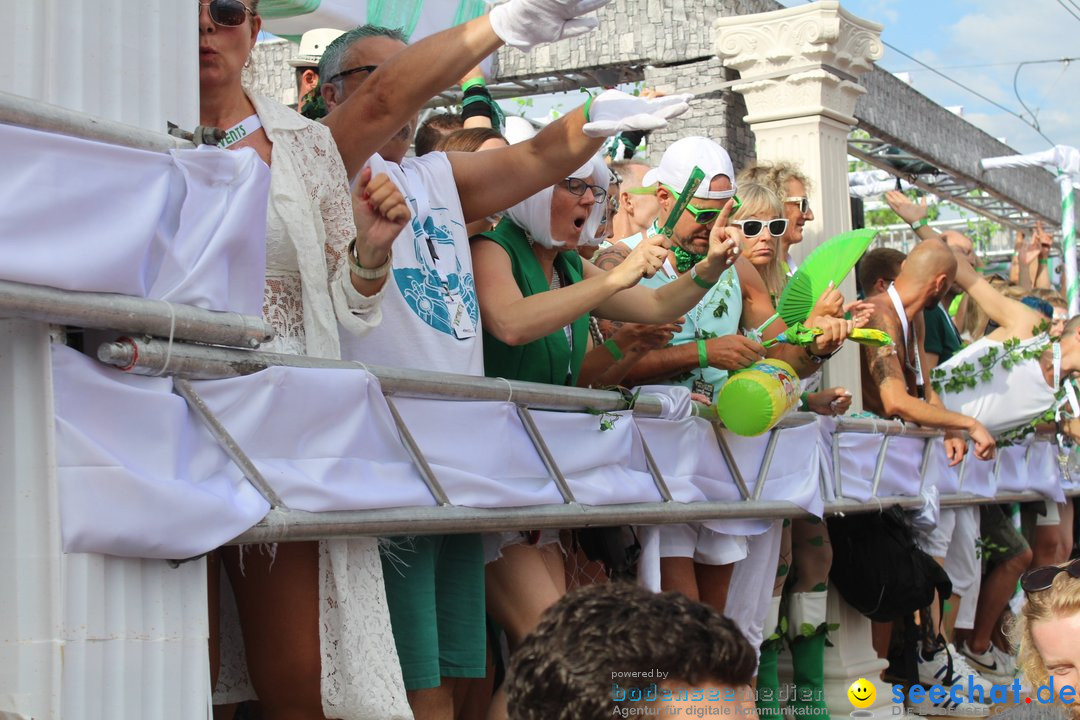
x=137 y=474
x=187 y=227
x=140 y=476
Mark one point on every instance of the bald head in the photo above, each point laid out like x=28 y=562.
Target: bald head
x=930 y=269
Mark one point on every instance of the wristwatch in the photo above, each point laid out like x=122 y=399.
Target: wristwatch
x=368 y=273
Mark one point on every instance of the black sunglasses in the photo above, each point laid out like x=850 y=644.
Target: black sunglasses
x=353 y=71
x=752 y=228
x=577 y=186
x=1041 y=578
x=227 y=13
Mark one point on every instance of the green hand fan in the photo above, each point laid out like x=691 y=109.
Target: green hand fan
x=830 y=262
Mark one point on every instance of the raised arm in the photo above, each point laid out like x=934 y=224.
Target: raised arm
x=491 y=181
x=1017 y=319
x=397 y=90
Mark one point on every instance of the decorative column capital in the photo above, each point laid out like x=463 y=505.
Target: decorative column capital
x=799 y=61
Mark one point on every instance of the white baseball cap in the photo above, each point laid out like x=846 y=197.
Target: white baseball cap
x=312 y=45
x=679 y=161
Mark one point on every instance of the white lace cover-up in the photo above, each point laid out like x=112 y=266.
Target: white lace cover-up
x=308 y=291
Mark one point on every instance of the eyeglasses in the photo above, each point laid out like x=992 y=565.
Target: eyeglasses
x=577 y=187
x=1041 y=578
x=752 y=228
x=804 y=203
x=705 y=216
x=353 y=71
x=227 y=13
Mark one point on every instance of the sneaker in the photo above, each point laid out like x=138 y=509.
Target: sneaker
x=994 y=664
x=947 y=668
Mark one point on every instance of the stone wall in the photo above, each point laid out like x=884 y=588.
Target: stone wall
x=636 y=32
x=673 y=39
x=270 y=73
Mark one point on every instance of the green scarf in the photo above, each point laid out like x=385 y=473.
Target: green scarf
x=684 y=259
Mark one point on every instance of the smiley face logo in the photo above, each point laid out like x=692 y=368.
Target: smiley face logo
x=862 y=693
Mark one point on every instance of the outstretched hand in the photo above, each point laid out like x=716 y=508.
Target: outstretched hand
x=613 y=111
x=525 y=24
x=903 y=206
x=642 y=262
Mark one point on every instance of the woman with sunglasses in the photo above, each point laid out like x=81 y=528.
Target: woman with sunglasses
x=764 y=226
x=535 y=294
x=1047 y=632
x=321 y=274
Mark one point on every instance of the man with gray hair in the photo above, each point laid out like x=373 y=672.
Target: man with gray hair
x=431 y=318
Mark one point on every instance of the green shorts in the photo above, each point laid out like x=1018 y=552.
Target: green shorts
x=435 y=592
x=1001 y=540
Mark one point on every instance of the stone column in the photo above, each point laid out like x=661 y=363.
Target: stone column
x=801 y=108
x=801 y=66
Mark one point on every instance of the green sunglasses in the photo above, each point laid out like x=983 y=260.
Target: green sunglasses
x=704 y=216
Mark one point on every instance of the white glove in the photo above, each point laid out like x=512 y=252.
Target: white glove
x=527 y=23
x=614 y=111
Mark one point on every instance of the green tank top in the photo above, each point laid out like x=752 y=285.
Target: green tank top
x=550 y=359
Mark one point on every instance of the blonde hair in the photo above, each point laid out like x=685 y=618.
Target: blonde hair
x=759 y=199
x=774 y=176
x=1060 y=600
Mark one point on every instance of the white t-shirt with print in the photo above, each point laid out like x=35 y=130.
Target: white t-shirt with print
x=430 y=316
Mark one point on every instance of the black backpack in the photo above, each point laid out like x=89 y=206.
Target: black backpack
x=878 y=568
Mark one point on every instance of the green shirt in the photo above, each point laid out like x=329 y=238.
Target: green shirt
x=550 y=359
x=941 y=337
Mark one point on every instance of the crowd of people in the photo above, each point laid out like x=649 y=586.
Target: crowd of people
x=532 y=255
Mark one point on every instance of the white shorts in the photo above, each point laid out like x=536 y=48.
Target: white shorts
x=705 y=546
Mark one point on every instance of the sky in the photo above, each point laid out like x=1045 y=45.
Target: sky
x=978 y=44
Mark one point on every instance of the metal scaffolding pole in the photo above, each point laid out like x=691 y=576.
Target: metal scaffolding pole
x=122 y=313
x=37 y=115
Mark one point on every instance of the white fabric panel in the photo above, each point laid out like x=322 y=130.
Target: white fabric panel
x=694 y=469
x=138 y=475
x=140 y=68
x=794 y=472
x=479 y=452
x=189 y=228
x=323 y=438
x=978 y=476
x=858 y=458
x=602 y=467
x=1031 y=466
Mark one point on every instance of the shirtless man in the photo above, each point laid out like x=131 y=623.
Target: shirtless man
x=893 y=375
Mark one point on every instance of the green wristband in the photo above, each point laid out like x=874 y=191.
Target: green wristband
x=473 y=82
x=698 y=280
x=1045 y=261
x=588 y=104
x=923 y=222
x=702 y=354
x=803 y=402
x=613 y=348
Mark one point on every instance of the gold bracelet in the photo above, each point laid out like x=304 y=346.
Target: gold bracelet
x=368 y=273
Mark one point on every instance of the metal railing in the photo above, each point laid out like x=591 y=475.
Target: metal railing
x=207 y=345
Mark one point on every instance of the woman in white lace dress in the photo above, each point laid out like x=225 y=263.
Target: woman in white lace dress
x=315 y=624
